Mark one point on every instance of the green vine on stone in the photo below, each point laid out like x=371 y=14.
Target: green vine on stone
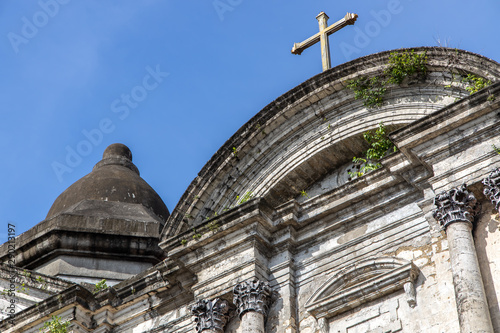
x=380 y=146
x=401 y=65
x=476 y=83
x=496 y=149
x=371 y=91
x=406 y=64
x=55 y=325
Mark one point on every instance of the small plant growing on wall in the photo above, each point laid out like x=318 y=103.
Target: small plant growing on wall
x=196 y=235
x=101 y=285
x=213 y=226
x=371 y=91
x=241 y=200
x=406 y=64
x=496 y=149
x=475 y=83
x=23 y=288
x=401 y=65
x=55 y=325
x=380 y=146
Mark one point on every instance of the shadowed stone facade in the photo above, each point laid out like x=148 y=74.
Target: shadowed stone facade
x=274 y=236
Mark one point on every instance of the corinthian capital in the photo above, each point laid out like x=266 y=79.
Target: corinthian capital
x=252 y=295
x=210 y=315
x=456 y=205
x=492 y=187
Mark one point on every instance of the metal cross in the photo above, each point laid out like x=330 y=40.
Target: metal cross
x=322 y=35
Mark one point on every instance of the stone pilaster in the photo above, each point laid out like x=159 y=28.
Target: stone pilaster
x=210 y=316
x=252 y=300
x=492 y=188
x=456 y=211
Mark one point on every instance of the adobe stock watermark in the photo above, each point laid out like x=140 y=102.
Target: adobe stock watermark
x=10 y=292
x=363 y=37
x=121 y=107
x=224 y=6
x=48 y=10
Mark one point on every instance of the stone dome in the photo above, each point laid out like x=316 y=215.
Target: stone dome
x=115 y=178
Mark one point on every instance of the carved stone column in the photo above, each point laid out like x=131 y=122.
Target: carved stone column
x=210 y=316
x=252 y=300
x=456 y=211
x=492 y=188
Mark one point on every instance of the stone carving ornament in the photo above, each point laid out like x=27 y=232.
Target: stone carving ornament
x=211 y=314
x=492 y=187
x=456 y=205
x=252 y=295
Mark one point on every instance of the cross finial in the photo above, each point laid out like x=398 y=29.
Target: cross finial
x=322 y=36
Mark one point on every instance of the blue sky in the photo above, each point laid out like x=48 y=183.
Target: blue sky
x=173 y=80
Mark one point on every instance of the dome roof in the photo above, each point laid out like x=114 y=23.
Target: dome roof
x=115 y=178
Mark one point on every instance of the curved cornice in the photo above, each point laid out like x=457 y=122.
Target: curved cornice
x=315 y=127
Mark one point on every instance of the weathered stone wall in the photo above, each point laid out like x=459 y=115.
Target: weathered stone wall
x=340 y=255
x=456 y=144
x=405 y=237
x=305 y=240
x=436 y=309
x=177 y=320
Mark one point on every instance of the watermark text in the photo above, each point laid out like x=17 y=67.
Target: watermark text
x=11 y=264
x=224 y=6
x=363 y=37
x=121 y=107
x=31 y=25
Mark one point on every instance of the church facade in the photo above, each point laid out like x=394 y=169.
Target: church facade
x=282 y=231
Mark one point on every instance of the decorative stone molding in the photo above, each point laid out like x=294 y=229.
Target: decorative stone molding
x=456 y=205
x=211 y=314
x=361 y=283
x=492 y=187
x=411 y=297
x=252 y=295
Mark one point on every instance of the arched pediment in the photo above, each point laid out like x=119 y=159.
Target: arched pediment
x=360 y=283
x=313 y=130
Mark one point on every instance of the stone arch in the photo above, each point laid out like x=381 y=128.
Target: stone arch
x=315 y=128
